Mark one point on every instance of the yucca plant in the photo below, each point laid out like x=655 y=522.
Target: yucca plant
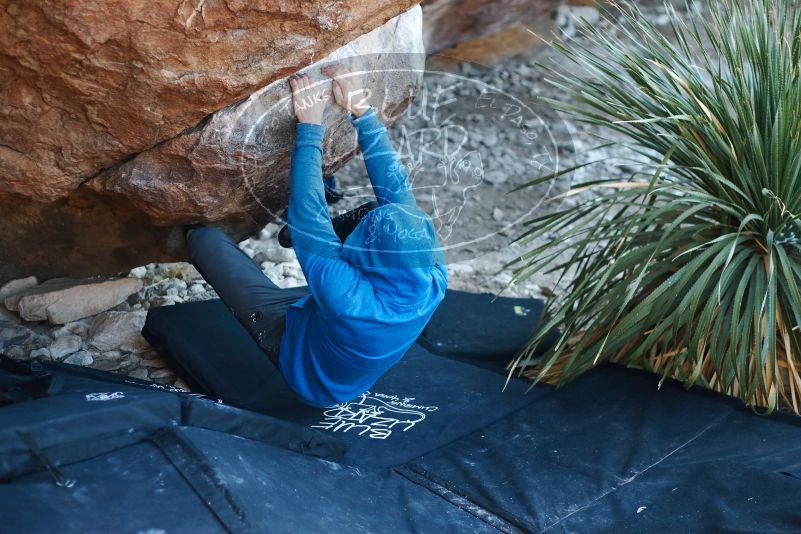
x=691 y=266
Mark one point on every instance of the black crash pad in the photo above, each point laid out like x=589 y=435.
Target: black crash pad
x=485 y=327
x=178 y=464
x=435 y=446
x=423 y=402
x=613 y=453
x=609 y=452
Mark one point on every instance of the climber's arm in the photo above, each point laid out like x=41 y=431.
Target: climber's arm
x=309 y=223
x=384 y=166
x=332 y=281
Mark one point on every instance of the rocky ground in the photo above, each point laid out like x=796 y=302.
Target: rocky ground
x=471 y=136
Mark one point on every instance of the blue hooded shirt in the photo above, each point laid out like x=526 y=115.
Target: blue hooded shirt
x=370 y=297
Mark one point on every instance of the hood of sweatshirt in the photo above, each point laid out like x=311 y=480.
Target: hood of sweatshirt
x=395 y=246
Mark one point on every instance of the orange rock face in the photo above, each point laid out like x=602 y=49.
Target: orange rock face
x=122 y=120
x=86 y=83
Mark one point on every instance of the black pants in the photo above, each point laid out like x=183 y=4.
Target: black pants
x=252 y=297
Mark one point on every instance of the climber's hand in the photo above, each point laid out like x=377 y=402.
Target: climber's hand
x=348 y=90
x=308 y=98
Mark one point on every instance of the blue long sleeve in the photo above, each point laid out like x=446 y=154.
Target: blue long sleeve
x=384 y=167
x=370 y=300
x=331 y=279
x=310 y=224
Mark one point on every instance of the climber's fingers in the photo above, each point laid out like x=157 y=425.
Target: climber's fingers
x=348 y=81
x=300 y=84
x=340 y=77
x=334 y=71
x=314 y=91
x=308 y=97
x=339 y=95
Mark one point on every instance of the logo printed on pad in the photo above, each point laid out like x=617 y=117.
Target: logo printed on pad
x=374 y=415
x=105 y=396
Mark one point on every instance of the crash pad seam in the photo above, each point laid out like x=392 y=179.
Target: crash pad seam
x=423 y=480
x=630 y=479
x=442 y=446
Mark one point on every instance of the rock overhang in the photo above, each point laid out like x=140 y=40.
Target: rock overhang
x=230 y=168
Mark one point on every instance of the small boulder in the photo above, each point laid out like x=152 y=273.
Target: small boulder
x=139 y=272
x=178 y=285
x=14 y=335
x=197 y=289
x=81 y=358
x=139 y=373
x=17 y=352
x=40 y=353
x=157 y=301
x=12 y=301
x=163 y=376
x=106 y=365
x=155 y=363
x=115 y=355
x=274 y=253
x=17 y=286
x=64 y=346
x=291 y=269
x=65 y=300
x=269 y=231
x=118 y=330
x=78 y=328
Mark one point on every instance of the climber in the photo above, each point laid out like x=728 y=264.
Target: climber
x=375 y=276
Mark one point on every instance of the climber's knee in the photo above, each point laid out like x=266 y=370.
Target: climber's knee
x=207 y=241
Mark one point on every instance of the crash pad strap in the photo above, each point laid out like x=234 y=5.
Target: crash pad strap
x=193 y=466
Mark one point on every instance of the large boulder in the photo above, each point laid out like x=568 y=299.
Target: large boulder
x=122 y=120
x=86 y=83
